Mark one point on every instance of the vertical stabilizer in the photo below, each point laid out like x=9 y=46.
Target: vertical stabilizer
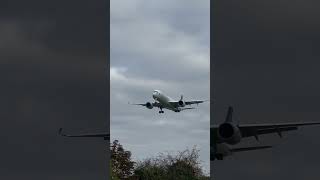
x=181 y=98
x=229 y=115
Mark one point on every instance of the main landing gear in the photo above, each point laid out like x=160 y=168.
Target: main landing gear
x=161 y=111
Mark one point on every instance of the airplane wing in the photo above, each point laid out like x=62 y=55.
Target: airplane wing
x=176 y=103
x=182 y=109
x=194 y=102
x=249 y=148
x=106 y=136
x=155 y=104
x=249 y=130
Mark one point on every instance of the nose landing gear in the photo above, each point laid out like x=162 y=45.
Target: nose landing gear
x=161 y=111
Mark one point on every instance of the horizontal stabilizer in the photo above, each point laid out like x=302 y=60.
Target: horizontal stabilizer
x=249 y=148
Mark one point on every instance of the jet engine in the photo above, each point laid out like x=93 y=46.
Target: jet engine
x=229 y=133
x=149 y=105
x=181 y=103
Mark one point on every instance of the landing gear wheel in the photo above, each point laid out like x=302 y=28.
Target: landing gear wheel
x=161 y=110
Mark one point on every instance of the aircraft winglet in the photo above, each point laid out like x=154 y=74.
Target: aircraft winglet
x=60 y=132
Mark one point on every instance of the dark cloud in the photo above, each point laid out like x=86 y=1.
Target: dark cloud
x=53 y=73
x=265 y=61
x=63 y=26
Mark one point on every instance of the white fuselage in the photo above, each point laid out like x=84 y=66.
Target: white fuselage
x=164 y=100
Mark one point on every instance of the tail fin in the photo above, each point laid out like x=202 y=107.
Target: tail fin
x=181 y=98
x=229 y=114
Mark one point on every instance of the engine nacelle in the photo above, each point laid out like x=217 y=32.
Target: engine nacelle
x=229 y=133
x=149 y=105
x=181 y=103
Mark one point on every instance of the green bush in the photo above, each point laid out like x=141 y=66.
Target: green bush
x=121 y=163
x=184 y=165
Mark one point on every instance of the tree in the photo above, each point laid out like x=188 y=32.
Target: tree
x=185 y=166
x=121 y=164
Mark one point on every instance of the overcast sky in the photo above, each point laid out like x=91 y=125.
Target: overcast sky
x=160 y=45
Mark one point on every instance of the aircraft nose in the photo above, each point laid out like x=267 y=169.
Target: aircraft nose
x=154 y=95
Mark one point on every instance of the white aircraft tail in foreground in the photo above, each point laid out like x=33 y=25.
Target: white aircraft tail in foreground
x=163 y=101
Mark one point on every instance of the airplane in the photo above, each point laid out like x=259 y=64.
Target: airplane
x=163 y=101
x=229 y=133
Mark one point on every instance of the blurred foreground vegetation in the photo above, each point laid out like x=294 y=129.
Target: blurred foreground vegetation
x=185 y=165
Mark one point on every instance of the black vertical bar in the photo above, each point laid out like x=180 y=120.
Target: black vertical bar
x=108 y=84
x=212 y=136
